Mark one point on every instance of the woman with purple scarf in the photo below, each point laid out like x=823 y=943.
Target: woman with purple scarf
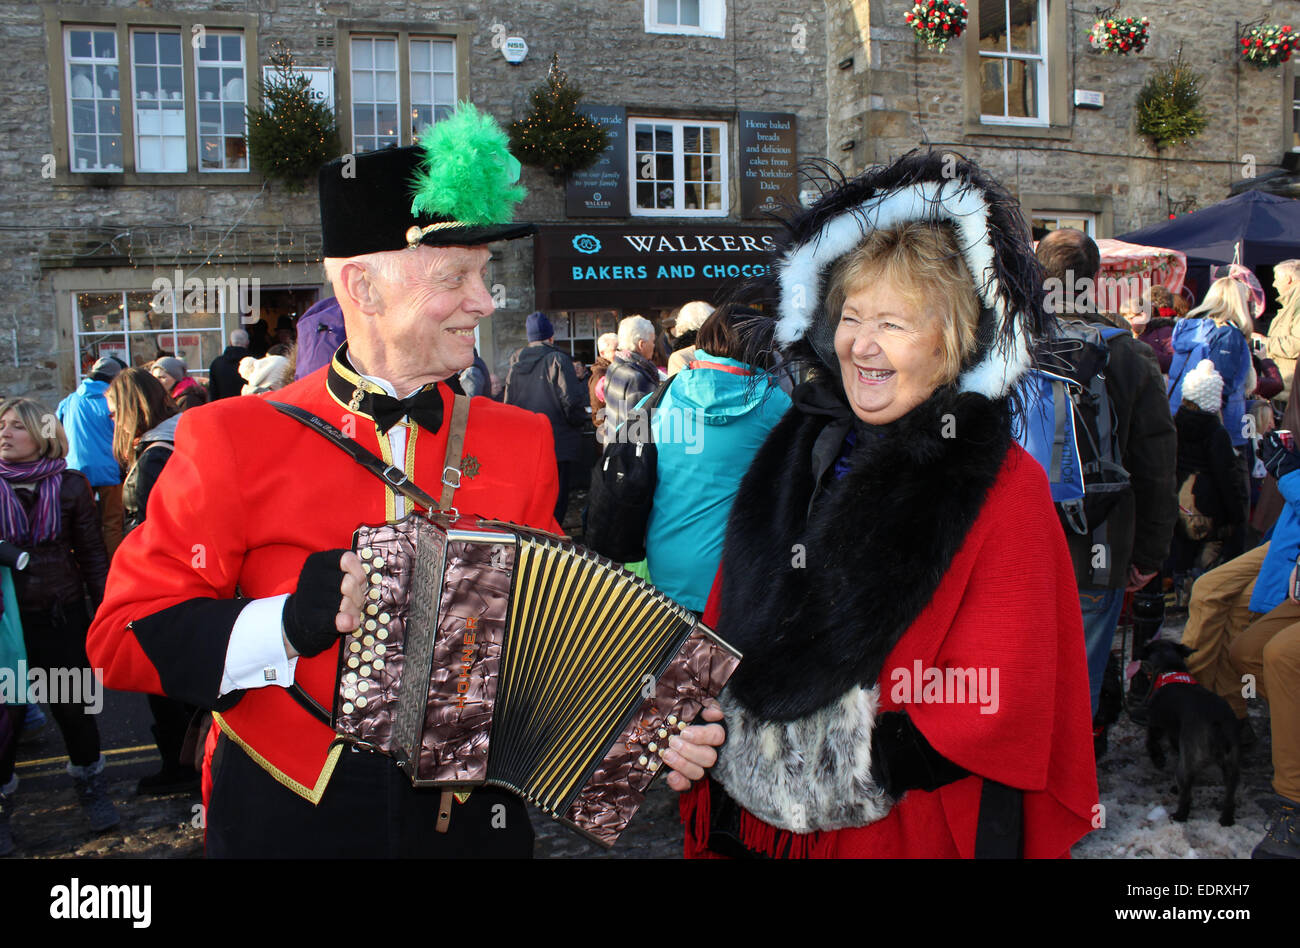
x=49 y=511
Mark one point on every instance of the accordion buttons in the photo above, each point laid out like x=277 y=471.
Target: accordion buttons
x=353 y=662
x=663 y=732
x=382 y=633
x=354 y=647
x=368 y=640
x=383 y=618
x=349 y=693
x=367 y=655
x=365 y=673
x=374 y=593
x=361 y=701
x=366 y=568
x=652 y=766
x=372 y=609
x=379 y=562
x=367 y=553
x=376 y=578
x=380 y=648
x=347 y=707
x=371 y=625
x=653 y=747
x=643 y=760
x=363 y=686
x=379 y=664
x=350 y=678
x=672 y=719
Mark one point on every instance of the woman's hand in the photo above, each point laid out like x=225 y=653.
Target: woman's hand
x=692 y=752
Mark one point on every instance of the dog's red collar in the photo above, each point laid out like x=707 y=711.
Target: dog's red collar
x=1173 y=678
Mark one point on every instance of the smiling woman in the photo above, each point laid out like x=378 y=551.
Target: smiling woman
x=890 y=525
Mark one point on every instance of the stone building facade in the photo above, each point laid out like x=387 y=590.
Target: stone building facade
x=1068 y=163
x=108 y=207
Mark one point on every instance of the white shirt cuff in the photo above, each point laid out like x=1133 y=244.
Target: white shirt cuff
x=255 y=656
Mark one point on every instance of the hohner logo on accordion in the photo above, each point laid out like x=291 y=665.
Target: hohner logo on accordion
x=511 y=657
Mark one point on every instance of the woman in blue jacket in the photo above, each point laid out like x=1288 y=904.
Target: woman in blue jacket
x=1219 y=330
x=708 y=427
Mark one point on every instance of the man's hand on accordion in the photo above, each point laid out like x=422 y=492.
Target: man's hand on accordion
x=692 y=752
x=327 y=604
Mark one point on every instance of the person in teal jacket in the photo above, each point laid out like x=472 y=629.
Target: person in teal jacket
x=708 y=427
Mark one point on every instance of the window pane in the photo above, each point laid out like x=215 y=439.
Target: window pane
x=209 y=84
x=691 y=194
x=420 y=55
x=645 y=195
x=146 y=50
x=691 y=139
x=81 y=81
x=106 y=82
x=385 y=54
x=1024 y=26
x=712 y=141
x=386 y=120
x=690 y=12
x=663 y=138
x=79 y=42
x=668 y=11
x=232 y=49
x=234 y=114
x=363 y=120
x=386 y=87
x=83 y=117
x=444 y=59
x=209 y=50
x=105 y=44
x=1022 y=89
x=363 y=87
x=169 y=49
x=664 y=167
x=110 y=152
x=993 y=26
x=693 y=168
x=713 y=197
x=444 y=89
x=712 y=168
x=644 y=138
x=665 y=196
x=362 y=53
x=991 y=100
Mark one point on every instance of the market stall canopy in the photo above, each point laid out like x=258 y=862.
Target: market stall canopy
x=1131 y=268
x=1266 y=226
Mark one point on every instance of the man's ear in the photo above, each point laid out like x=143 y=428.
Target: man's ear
x=358 y=284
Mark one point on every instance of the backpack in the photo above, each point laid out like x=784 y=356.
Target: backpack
x=1201 y=333
x=1067 y=423
x=623 y=487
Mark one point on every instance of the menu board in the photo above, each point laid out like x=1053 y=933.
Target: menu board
x=767 y=162
x=601 y=190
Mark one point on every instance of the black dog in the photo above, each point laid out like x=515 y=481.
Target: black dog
x=1200 y=725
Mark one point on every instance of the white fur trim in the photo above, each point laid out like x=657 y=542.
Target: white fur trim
x=801 y=268
x=805 y=775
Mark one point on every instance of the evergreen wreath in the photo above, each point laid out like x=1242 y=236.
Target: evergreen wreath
x=937 y=21
x=292 y=135
x=554 y=135
x=1169 y=110
x=1268 y=46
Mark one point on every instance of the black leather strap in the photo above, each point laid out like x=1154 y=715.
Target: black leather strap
x=391 y=475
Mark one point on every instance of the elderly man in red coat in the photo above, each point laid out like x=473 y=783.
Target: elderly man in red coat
x=234 y=592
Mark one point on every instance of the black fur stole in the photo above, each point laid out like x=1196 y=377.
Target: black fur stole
x=816 y=602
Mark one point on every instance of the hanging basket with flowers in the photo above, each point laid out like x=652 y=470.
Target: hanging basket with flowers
x=1121 y=35
x=937 y=21
x=1268 y=45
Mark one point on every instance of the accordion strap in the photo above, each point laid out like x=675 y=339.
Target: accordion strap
x=390 y=474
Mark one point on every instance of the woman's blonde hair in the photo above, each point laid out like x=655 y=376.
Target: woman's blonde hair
x=41 y=423
x=1227 y=302
x=924 y=264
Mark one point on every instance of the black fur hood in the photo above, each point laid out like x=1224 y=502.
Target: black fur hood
x=816 y=600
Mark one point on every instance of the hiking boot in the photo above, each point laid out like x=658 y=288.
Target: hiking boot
x=1282 y=834
x=92 y=793
x=7 y=808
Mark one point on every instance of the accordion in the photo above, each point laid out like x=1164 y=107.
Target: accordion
x=501 y=655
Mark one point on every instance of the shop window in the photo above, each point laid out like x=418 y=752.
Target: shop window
x=680 y=168
x=690 y=17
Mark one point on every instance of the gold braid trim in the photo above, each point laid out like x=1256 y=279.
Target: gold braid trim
x=415 y=233
x=310 y=794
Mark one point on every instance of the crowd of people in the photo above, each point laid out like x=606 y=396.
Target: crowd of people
x=842 y=493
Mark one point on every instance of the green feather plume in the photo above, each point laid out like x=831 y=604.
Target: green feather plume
x=468 y=172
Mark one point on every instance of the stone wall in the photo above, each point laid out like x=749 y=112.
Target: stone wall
x=897 y=95
x=63 y=232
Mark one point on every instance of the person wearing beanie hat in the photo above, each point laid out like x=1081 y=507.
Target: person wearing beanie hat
x=267 y=374
x=253 y=630
x=689 y=320
x=85 y=417
x=541 y=378
x=907 y=296
x=174 y=375
x=1212 y=499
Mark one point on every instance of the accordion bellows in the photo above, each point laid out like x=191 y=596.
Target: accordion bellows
x=511 y=657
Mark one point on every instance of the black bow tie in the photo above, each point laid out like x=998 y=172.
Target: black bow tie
x=424 y=408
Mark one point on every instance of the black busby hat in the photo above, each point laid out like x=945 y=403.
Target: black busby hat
x=921 y=186
x=456 y=187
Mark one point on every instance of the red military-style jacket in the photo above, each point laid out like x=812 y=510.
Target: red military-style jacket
x=248 y=495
